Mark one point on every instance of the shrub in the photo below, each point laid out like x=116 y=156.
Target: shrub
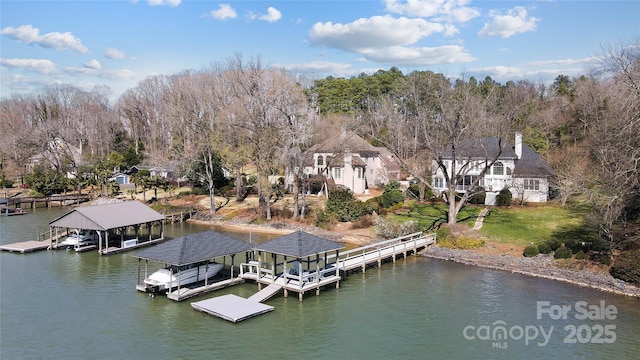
x=554 y=244
x=325 y=220
x=575 y=245
x=479 y=196
x=562 y=252
x=544 y=248
x=6 y=183
x=461 y=242
x=626 y=266
x=443 y=233
x=344 y=205
x=390 y=230
x=390 y=198
x=580 y=255
x=201 y=190
x=531 y=251
x=504 y=197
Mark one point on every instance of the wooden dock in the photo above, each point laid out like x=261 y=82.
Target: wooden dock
x=64 y=200
x=25 y=246
x=376 y=253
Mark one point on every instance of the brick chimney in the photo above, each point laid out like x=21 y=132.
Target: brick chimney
x=518 y=145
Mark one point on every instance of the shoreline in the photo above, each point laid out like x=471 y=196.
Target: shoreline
x=540 y=266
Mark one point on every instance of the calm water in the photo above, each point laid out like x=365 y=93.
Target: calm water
x=57 y=304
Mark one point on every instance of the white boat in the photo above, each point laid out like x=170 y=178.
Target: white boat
x=170 y=277
x=80 y=238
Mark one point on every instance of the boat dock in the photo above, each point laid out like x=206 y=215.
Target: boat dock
x=233 y=308
x=25 y=246
x=376 y=253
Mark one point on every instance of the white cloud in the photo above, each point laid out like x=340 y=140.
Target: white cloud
x=93 y=64
x=371 y=38
x=115 y=54
x=449 y=10
x=317 y=67
x=102 y=73
x=515 y=21
x=54 y=40
x=173 y=3
x=419 y=56
x=225 y=11
x=272 y=15
x=42 y=66
x=369 y=33
x=584 y=61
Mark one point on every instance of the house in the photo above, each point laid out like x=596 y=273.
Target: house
x=122 y=179
x=520 y=169
x=347 y=160
x=167 y=173
x=58 y=153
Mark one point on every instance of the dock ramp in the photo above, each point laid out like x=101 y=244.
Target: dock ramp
x=266 y=293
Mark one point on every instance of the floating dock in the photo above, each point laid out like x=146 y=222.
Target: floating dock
x=25 y=246
x=231 y=307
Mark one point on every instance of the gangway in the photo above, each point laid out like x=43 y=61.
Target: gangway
x=265 y=294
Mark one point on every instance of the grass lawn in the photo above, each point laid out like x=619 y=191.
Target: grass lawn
x=514 y=225
x=430 y=216
x=535 y=224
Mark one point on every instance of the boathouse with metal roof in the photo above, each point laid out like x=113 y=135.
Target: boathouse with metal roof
x=120 y=226
x=193 y=249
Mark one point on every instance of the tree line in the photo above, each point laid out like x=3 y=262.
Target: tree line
x=239 y=112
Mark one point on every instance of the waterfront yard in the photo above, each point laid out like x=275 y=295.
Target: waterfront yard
x=514 y=225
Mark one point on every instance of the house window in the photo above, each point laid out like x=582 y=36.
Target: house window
x=508 y=171
x=498 y=168
x=360 y=172
x=337 y=173
x=438 y=183
x=530 y=184
x=320 y=161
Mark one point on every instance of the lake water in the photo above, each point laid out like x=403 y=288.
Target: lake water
x=65 y=305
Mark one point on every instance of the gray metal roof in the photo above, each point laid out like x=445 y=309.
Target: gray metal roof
x=299 y=244
x=109 y=216
x=193 y=248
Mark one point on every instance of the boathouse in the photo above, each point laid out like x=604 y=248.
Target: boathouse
x=296 y=262
x=191 y=250
x=120 y=226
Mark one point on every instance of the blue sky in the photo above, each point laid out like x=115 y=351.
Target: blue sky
x=119 y=43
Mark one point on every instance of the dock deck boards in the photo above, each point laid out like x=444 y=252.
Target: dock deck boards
x=25 y=246
x=231 y=307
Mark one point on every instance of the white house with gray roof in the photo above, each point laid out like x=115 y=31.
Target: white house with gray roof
x=350 y=161
x=520 y=169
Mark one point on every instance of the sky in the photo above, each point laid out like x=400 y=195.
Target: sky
x=119 y=43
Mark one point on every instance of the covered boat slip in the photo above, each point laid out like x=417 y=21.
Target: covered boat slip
x=302 y=268
x=194 y=249
x=119 y=226
x=322 y=271
x=304 y=249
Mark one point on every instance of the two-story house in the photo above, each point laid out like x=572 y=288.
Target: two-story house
x=517 y=167
x=350 y=161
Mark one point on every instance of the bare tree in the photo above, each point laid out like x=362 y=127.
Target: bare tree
x=453 y=130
